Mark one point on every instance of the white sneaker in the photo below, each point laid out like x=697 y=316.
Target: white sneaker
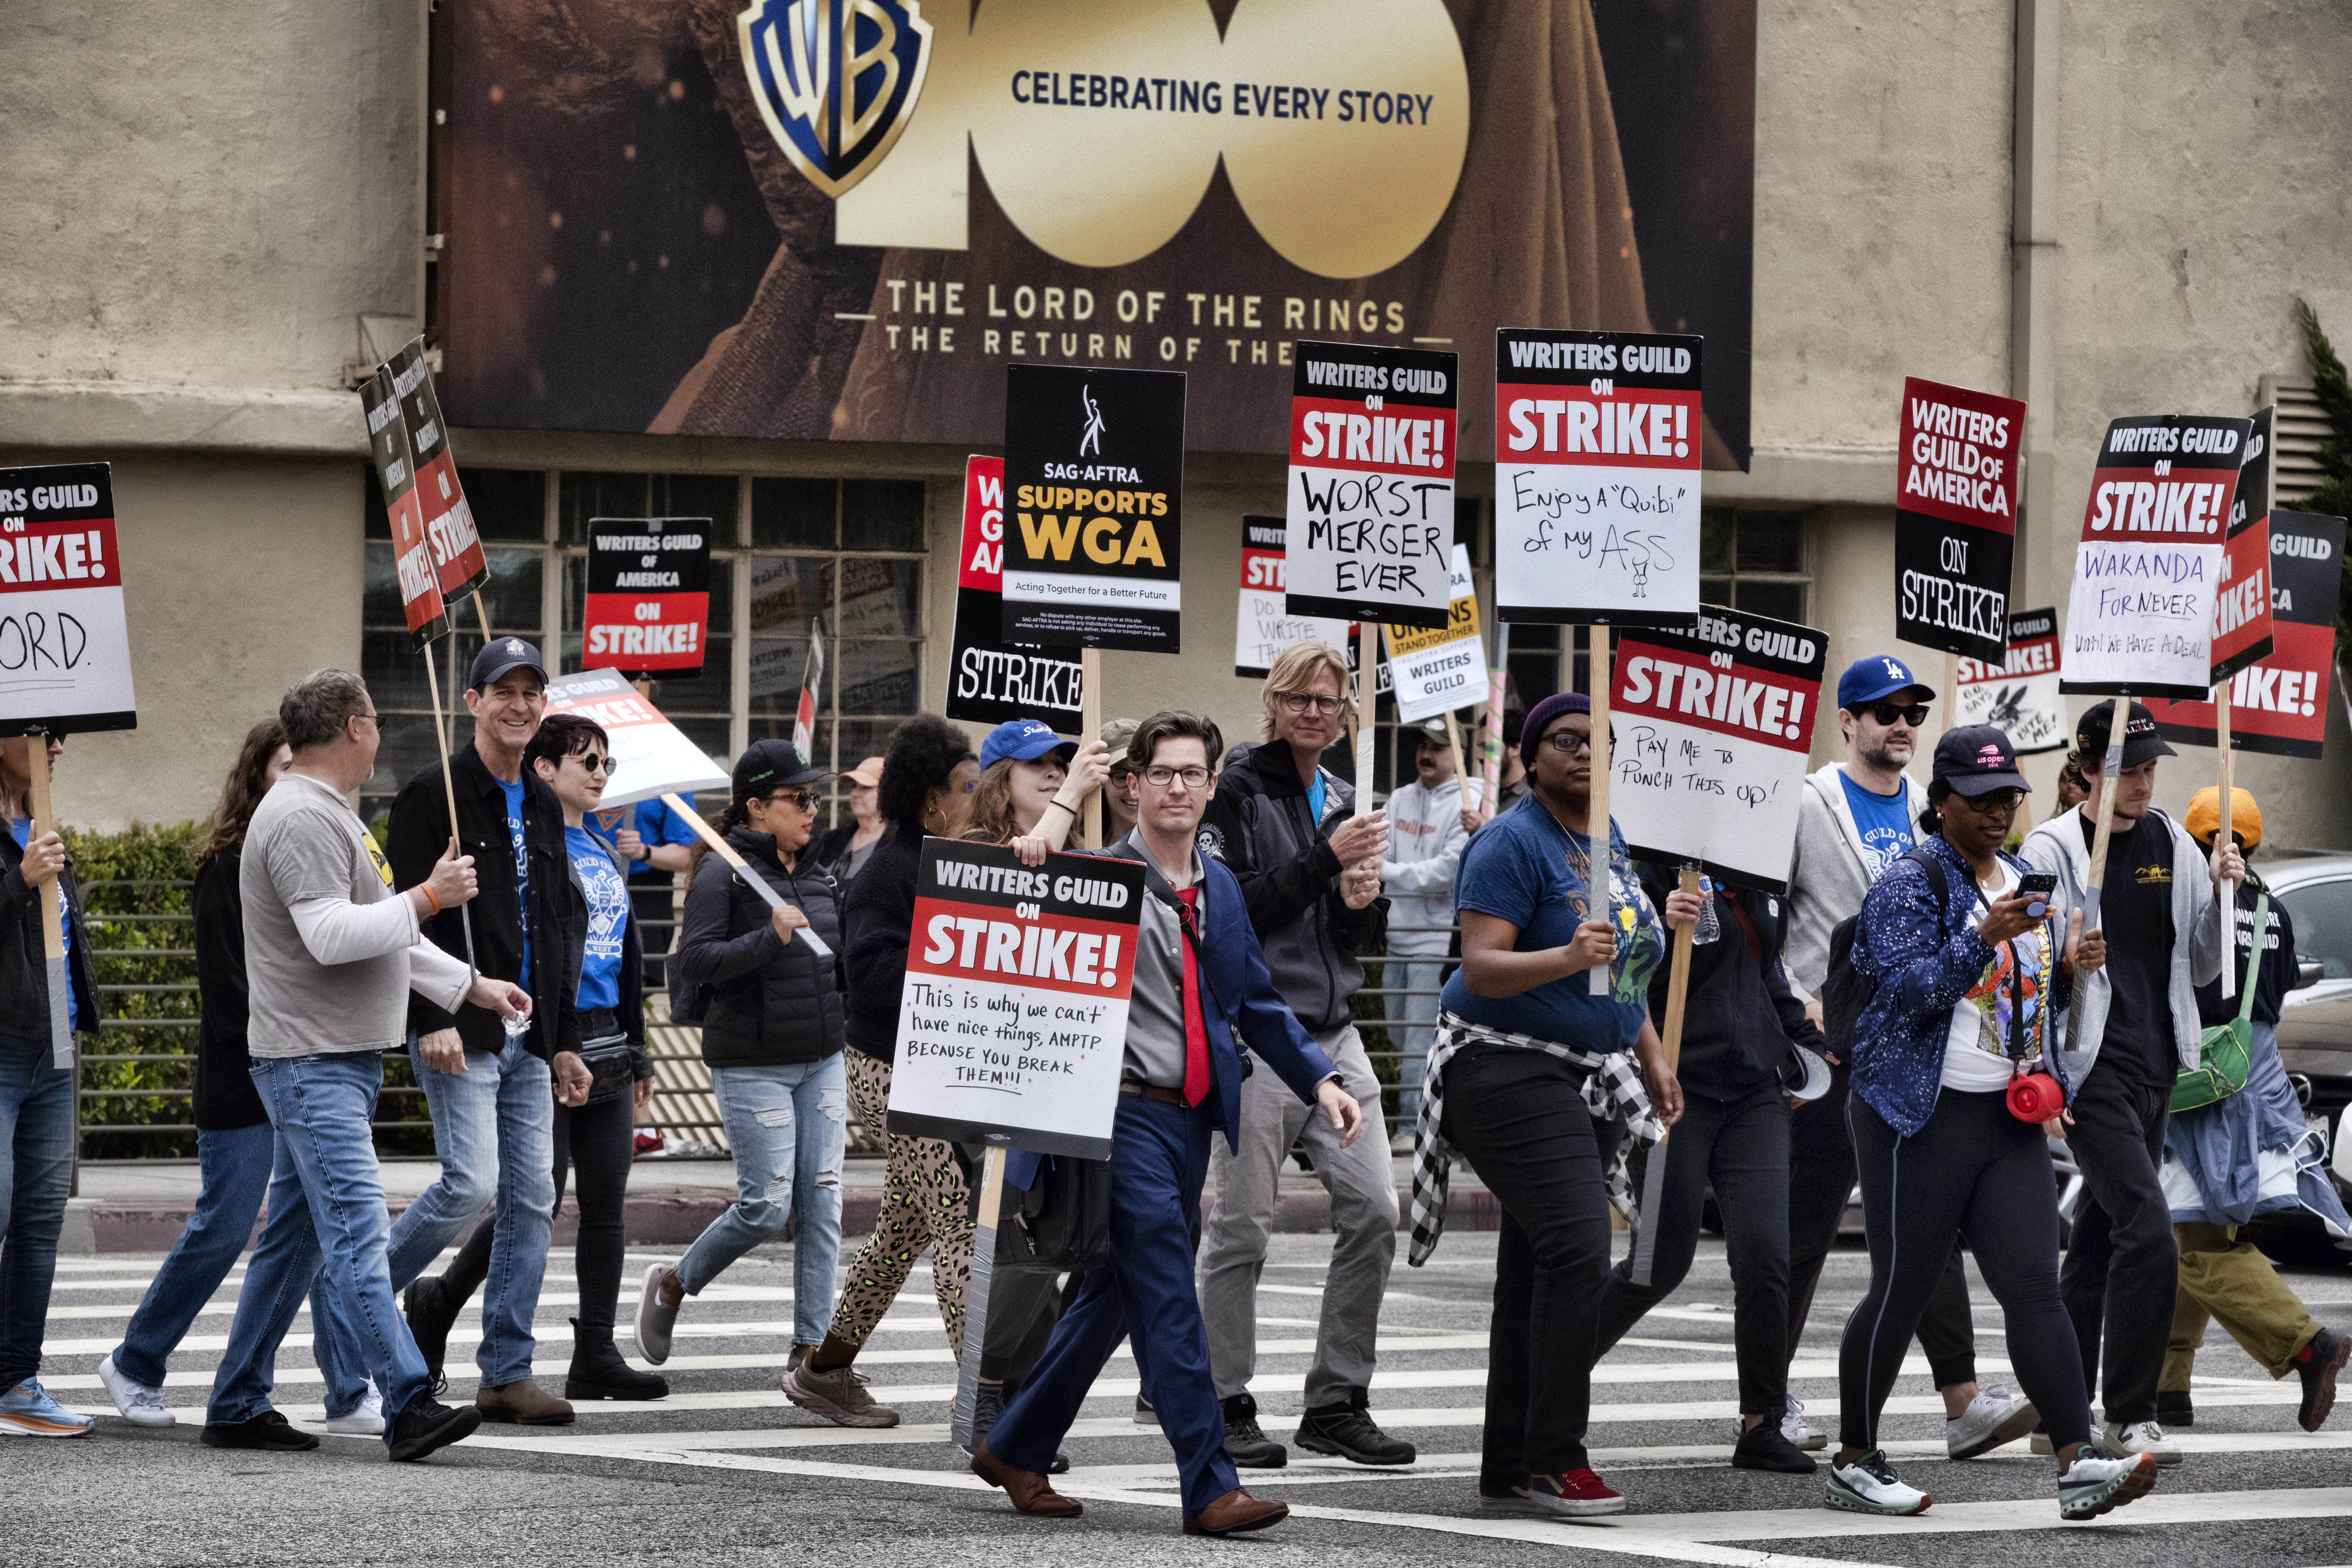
x=139 y=1404
x=1801 y=1433
x=1869 y=1485
x=1993 y=1417
x=2043 y=1445
x=2140 y=1437
x=363 y=1420
x=2097 y=1482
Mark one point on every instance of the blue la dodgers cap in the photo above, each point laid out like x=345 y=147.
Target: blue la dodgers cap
x=1879 y=675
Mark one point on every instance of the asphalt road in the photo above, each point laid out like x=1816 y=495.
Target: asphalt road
x=726 y=1472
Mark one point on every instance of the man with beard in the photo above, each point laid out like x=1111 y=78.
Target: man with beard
x=1855 y=819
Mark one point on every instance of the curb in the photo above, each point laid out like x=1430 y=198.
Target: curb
x=93 y=1225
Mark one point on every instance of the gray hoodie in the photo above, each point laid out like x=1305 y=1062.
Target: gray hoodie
x=1827 y=873
x=2057 y=845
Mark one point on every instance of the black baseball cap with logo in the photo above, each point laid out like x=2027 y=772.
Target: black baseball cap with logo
x=500 y=655
x=1977 y=759
x=2141 y=743
x=770 y=765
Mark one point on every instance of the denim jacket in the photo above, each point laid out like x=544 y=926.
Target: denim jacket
x=1921 y=975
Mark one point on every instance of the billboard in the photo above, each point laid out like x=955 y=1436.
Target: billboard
x=781 y=219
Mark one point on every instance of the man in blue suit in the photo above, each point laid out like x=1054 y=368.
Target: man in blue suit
x=1201 y=992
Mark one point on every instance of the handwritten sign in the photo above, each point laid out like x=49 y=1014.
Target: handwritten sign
x=2242 y=605
x=654 y=757
x=1956 y=517
x=990 y=679
x=2278 y=706
x=1012 y=1025
x=64 y=646
x=1596 y=477
x=1372 y=482
x=2140 y=616
x=1712 y=726
x=1435 y=672
x=649 y=600
x=2018 y=693
x=1262 y=624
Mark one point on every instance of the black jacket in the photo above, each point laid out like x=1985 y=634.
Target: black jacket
x=878 y=920
x=1738 y=1015
x=419 y=834
x=1258 y=823
x=226 y=1099
x=771 y=1004
x=24 y=965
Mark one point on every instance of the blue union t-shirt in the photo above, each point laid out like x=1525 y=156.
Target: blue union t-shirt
x=608 y=919
x=522 y=872
x=1886 y=831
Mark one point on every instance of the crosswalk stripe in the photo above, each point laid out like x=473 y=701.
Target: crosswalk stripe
x=2041 y=1513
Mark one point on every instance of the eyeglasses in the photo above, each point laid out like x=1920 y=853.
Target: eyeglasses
x=1161 y=777
x=374 y=719
x=590 y=763
x=1303 y=702
x=1568 y=741
x=805 y=800
x=1915 y=715
x=1992 y=800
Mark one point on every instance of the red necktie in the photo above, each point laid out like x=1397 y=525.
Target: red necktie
x=1196 y=1031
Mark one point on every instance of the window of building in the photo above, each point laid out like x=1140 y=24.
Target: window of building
x=1754 y=561
x=841 y=557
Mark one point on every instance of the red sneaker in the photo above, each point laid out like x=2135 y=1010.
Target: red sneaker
x=1573 y=1494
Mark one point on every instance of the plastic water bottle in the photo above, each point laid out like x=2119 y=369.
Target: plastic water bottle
x=1708 y=927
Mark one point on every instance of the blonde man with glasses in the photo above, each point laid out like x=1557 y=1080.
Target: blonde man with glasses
x=1310 y=872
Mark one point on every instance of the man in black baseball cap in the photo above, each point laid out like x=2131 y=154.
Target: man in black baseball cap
x=2132 y=1026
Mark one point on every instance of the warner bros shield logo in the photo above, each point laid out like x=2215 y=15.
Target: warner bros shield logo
x=836 y=81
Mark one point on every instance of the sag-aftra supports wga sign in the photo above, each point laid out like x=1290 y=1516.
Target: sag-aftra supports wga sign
x=1098 y=128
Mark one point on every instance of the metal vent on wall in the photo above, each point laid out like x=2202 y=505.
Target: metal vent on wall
x=2301 y=427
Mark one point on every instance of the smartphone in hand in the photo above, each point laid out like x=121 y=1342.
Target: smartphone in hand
x=2037 y=887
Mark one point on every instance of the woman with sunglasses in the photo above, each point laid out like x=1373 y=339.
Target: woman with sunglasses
x=1954 y=1087
x=570 y=755
x=771 y=1031
x=1528 y=1069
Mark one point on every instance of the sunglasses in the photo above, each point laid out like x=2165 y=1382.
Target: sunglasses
x=589 y=762
x=1991 y=800
x=804 y=800
x=1915 y=715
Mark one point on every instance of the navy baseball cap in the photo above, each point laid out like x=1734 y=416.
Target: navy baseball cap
x=1977 y=759
x=1877 y=676
x=770 y=765
x=1023 y=739
x=503 y=654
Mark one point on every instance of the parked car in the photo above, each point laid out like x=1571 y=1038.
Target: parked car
x=2315 y=1046
x=2316 y=890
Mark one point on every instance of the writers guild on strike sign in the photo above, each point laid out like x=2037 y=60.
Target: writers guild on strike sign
x=1713 y=727
x=1012 y=1025
x=2018 y=694
x=1372 y=483
x=64 y=646
x=1263 y=624
x=1956 y=517
x=648 y=603
x=2278 y=706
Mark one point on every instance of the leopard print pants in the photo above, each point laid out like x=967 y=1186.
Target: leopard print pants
x=925 y=1203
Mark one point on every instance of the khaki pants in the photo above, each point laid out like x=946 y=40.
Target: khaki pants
x=2226 y=1279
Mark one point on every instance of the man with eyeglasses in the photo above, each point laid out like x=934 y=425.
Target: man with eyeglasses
x=1310 y=876
x=491 y=1087
x=1855 y=819
x=2129 y=1034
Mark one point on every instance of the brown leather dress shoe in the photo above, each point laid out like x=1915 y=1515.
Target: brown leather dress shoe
x=1030 y=1492
x=1236 y=1510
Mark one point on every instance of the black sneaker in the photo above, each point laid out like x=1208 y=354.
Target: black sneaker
x=2320 y=1363
x=1764 y=1446
x=269 y=1431
x=1348 y=1432
x=2175 y=1409
x=1246 y=1444
x=430 y=1317
x=425 y=1425
x=1144 y=1414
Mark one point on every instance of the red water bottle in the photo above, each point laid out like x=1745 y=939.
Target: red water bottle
x=2036 y=1096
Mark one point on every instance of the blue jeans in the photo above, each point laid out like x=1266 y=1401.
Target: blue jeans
x=494 y=1128
x=1158 y=1159
x=234 y=1167
x=787 y=1126
x=1414 y=1030
x=36 y=1122
x=321 y=1108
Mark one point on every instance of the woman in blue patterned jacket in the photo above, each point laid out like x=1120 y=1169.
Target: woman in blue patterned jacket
x=1968 y=976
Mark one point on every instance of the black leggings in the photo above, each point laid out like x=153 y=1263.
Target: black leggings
x=603 y=1139
x=1973 y=1171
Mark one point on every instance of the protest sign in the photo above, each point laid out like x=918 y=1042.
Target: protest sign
x=411 y=557
x=1956 y=517
x=1435 y=672
x=805 y=715
x=1264 y=625
x=1094 y=460
x=1711 y=751
x=2140 y=616
x=2017 y=694
x=65 y=644
x=442 y=511
x=989 y=679
x=1596 y=477
x=2278 y=706
x=649 y=600
x=2241 y=608
x=1012 y=1025
x=1372 y=482
x=653 y=758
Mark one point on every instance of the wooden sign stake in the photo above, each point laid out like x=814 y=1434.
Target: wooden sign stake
x=2111 y=770
x=53 y=930
x=2228 y=783
x=1367 y=681
x=975 y=1306
x=751 y=879
x=450 y=790
x=1604 y=890
x=1654 y=1175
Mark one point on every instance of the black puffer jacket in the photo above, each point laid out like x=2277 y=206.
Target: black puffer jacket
x=1740 y=1016
x=770 y=1004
